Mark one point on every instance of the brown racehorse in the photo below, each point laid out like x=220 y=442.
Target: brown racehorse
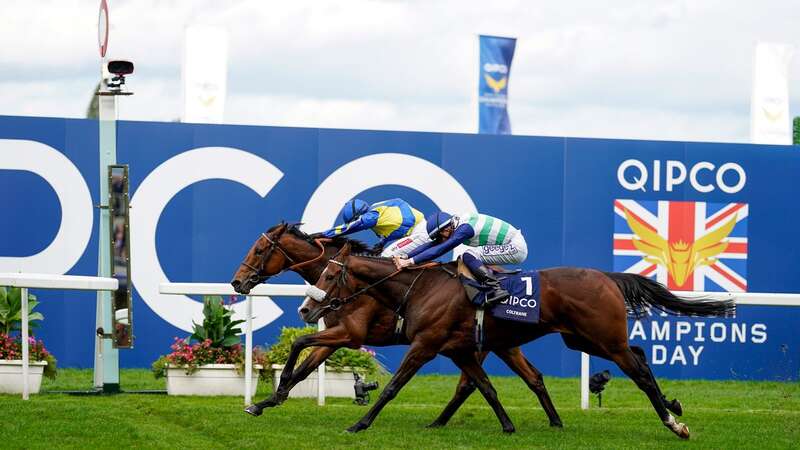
x=588 y=307
x=366 y=322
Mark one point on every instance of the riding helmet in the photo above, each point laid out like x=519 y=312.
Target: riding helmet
x=436 y=222
x=354 y=209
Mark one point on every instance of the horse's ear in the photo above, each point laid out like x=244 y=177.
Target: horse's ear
x=343 y=252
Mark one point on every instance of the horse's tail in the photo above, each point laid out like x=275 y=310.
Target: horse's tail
x=640 y=292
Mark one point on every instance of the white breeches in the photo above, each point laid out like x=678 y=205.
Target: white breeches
x=514 y=252
x=404 y=245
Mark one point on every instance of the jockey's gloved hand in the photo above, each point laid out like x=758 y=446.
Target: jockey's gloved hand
x=401 y=261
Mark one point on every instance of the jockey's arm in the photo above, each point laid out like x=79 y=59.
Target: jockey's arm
x=364 y=222
x=459 y=236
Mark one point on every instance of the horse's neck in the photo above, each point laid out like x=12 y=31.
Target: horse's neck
x=303 y=253
x=371 y=271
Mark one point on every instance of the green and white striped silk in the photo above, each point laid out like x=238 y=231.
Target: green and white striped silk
x=488 y=230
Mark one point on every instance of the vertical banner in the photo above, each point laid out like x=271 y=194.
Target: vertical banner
x=495 y=68
x=769 y=109
x=205 y=67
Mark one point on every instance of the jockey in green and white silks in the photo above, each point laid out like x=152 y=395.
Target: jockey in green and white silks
x=489 y=241
x=400 y=227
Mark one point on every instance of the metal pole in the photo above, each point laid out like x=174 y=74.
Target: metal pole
x=321 y=372
x=248 y=351
x=107 y=357
x=584 y=381
x=25 y=357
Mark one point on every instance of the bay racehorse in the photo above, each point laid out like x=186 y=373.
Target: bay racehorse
x=366 y=322
x=588 y=307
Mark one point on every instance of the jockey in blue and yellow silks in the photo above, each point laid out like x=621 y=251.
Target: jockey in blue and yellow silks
x=394 y=221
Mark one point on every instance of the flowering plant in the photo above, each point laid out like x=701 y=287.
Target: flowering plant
x=215 y=342
x=11 y=348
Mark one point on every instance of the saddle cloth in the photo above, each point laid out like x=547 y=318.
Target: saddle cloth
x=521 y=306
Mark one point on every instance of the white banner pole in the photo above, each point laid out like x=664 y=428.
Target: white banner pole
x=584 y=381
x=248 y=352
x=25 y=357
x=321 y=372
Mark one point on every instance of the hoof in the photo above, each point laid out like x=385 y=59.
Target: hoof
x=435 y=424
x=675 y=407
x=509 y=429
x=682 y=431
x=253 y=410
x=556 y=424
x=357 y=427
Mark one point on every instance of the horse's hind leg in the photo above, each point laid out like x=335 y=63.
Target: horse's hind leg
x=464 y=389
x=673 y=405
x=533 y=378
x=630 y=363
x=576 y=343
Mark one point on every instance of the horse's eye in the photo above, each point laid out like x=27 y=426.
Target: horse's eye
x=328 y=277
x=259 y=251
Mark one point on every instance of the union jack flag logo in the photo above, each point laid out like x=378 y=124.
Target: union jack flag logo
x=688 y=246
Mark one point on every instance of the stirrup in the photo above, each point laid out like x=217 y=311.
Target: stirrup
x=497 y=296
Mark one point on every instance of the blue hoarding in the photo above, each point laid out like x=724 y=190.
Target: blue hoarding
x=201 y=194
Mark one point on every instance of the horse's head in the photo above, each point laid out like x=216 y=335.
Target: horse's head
x=331 y=290
x=267 y=257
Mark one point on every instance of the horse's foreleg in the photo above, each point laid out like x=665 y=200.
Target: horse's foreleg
x=329 y=339
x=416 y=357
x=515 y=360
x=469 y=365
x=464 y=389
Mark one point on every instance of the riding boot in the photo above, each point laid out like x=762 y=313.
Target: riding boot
x=485 y=276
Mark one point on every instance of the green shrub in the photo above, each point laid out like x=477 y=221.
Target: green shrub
x=360 y=360
x=11 y=310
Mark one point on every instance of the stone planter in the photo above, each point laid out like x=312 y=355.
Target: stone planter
x=210 y=379
x=11 y=376
x=338 y=383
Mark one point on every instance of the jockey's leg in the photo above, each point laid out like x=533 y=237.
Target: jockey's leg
x=515 y=252
x=484 y=275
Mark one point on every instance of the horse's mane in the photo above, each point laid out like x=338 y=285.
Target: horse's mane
x=356 y=246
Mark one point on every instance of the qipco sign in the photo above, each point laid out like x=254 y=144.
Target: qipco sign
x=161 y=185
x=657 y=175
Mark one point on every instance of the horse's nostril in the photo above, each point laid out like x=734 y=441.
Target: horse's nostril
x=236 y=284
x=303 y=310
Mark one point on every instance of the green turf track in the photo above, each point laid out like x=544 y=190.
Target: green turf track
x=720 y=415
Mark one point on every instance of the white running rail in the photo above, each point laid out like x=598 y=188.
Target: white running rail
x=741 y=298
x=262 y=290
x=26 y=281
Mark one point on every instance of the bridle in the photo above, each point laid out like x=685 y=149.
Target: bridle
x=275 y=245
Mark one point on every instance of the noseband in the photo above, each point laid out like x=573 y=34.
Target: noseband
x=275 y=245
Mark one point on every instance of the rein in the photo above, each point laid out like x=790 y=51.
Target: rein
x=337 y=302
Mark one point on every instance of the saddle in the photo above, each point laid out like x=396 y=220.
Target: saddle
x=498 y=270
x=521 y=306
